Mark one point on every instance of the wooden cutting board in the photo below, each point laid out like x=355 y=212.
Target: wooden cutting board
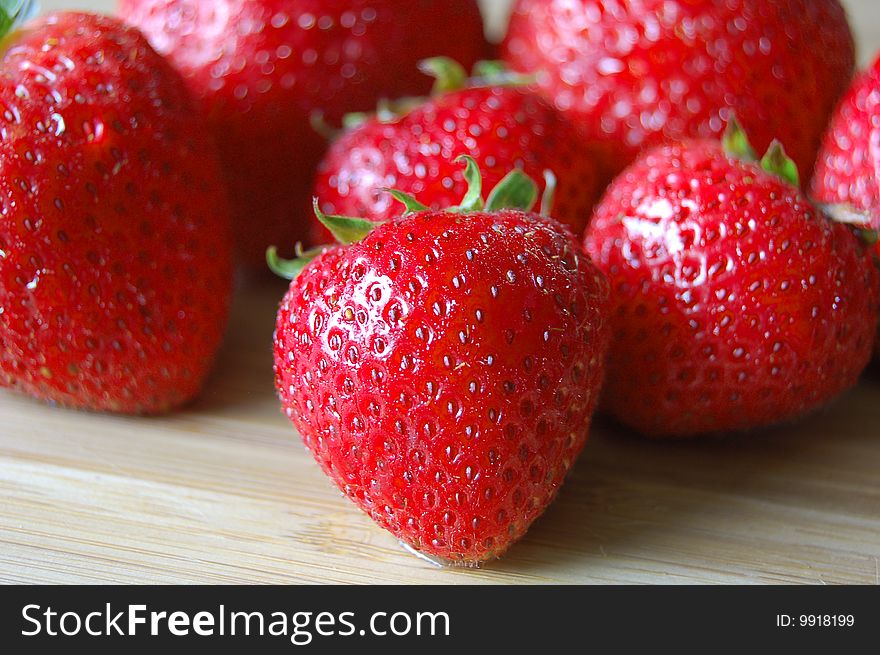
x=225 y=492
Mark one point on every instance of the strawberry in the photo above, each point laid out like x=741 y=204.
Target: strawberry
x=636 y=73
x=443 y=369
x=262 y=67
x=498 y=124
x=736 y=304
x=847 y=176
x=115 y=241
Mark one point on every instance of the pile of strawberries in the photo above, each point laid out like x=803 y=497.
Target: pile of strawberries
x=485 y=252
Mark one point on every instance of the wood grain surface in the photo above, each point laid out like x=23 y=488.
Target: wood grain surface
x=224 y=492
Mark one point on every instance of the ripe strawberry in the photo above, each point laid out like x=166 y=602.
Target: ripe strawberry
x=848 y=169
x=115 y=243
x=636 y=73
x=847 y=177
x=735 y=303
x=262 y=67
x=499 y=126
x=444 y=369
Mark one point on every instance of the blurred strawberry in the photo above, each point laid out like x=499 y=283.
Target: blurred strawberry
x=847 y=177
x=636 y=73
x=262 y=67
x=490 y=118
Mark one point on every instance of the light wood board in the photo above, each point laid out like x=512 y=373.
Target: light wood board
x=225 y=492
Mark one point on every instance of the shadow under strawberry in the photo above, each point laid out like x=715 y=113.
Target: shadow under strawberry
x=717 y=508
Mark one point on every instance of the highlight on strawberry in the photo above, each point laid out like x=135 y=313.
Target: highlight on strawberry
x=443 y=366
x=411 y=145
x=736 y=303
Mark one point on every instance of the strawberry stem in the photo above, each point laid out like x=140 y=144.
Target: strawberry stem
x=448 y=74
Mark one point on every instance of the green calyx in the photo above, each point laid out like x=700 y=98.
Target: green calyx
x=736 y=144
x=15 y=12
x=449 y=76
x=775 y=161
x=515 y=191
x=387 y=111
x=412 y=205
x=345 y=229
x=473 y=199
x=289 y=269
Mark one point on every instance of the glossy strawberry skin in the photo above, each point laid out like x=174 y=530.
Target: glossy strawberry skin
x=443 y=372
x=735 y=304
x=634 y=74
x=115 y=272
x=500 y=127
x=261 y=67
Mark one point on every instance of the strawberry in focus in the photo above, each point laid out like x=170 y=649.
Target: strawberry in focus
x=635 y=74
x=262 y=67
x=491 y=119
x=736 y=304
x=115 y=244
x=443 y=369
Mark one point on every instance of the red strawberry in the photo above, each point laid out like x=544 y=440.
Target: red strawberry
x=499 y=126
x=261 y=67
x=443 y=370
x=848 y=168
x=847 y=177
x=115 y=245
x=735 y=303
x=635 y=73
